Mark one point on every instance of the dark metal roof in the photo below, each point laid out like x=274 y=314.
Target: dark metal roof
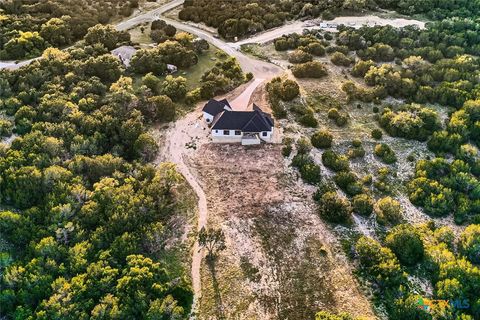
x=214 y=107
x=246 y=121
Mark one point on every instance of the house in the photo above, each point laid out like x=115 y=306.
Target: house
x=245 y=127
x=214 y=107
x=171 y=69
x=125 y=54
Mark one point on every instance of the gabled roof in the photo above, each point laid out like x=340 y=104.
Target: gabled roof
x=215 y=107
x=246 y=121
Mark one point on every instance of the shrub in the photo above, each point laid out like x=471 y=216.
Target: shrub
x=308 y=120
x=363 y=204
x=287 y=150
x=299 y=56
x=249 y=76
x=361 y=68
x=384 y=152
x=380 y=262
x=339 y=117
x=6 y=128
x=334 y=208
x=289 y=90
x=322 y=139
x=316 y=49
x=410 y=122
x=388 y=211
x=405 y=242
x=340 y=59
x=348 y=182
x=377 y=134
x=335 y=162
x=303 y=146
x=313 y=69
x=469 y=243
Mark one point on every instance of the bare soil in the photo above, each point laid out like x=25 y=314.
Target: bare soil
x=282 y=261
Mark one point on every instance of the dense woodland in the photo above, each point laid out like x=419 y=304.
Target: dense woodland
x=85 y=218
x=27 y=27
x=235 y=18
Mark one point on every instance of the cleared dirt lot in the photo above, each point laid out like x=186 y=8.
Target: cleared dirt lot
x=281 y=262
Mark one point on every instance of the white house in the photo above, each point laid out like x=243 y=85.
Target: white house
x=125 y=54
x=245 y=127
x=214 y=107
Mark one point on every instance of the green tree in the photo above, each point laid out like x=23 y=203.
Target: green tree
x=406 y=243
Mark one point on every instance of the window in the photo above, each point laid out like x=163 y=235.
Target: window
x=226 y=132
x=238 y=133
x=264 y=134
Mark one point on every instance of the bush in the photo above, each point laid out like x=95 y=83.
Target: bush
x=299 y=56
x=322 y=139
x=380 y=262
x=405 y=242
x=388 y=211
x=308 y=120
x=377 y=134
x=469 y=243
x=361 y=68
x=6 y=128
x=303 y=146
x=340 y=118
x=313 y=69
x=363 y=204
x=410 y=122
x=287 y=150
x=384 y=152
x=334 y=208
x=335 y=162
x=289 y=90
x=340 y=59
x=348 y=182
x=309 y=171
x=316 y=49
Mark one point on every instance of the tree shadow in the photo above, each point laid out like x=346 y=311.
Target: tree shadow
x=216 y=288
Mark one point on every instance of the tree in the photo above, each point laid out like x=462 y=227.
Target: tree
x=145 y=147
x=213 y=240
x=406 y=243
x=379 y=262
x=26 y=44
x=174 y=88
x=148 y=61
x=106 y=35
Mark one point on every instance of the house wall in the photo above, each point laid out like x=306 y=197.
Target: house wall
x=207 y=117
x=268 y=137
x=218 y=136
